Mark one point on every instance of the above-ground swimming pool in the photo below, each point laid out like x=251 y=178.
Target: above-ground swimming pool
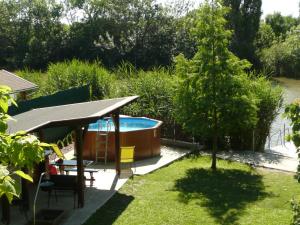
x=141 y=132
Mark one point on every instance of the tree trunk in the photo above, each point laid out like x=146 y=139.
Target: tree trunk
x=215 y=118
x=214 y=153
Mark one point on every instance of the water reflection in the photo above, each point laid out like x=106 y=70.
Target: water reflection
x=291 y=89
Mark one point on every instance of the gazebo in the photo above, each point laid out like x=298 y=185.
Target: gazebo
x=75 y=116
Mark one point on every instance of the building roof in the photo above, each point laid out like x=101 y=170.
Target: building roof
x=66 y=115
x=16 y=83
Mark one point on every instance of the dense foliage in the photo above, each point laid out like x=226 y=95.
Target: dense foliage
x=143 y=32
x=268 y=102
x=281 y=25
x=292 y=112
x=68 y=74
x=36 y=33
x=155 y=90
x=265 y=38
x=283 y=57
x=31 y=33
x=17 y=151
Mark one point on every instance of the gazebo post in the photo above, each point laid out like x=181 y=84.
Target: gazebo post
x=80 y=176
x=116 y=117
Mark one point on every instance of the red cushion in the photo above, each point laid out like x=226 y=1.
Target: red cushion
x=52 y=170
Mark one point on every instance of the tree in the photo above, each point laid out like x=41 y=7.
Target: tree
x=281 y=24
x=213 y=98
x=185 y=42
x=31 y=33
x=139 y=31
x=244 y=19
x=5 y=36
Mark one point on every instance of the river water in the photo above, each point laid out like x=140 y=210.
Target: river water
x=291 y=88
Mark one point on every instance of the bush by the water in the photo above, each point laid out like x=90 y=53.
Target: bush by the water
x=283 y=57
x=268 y=102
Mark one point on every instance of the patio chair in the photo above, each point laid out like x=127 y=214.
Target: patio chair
x=127 y=157
x=64 y=183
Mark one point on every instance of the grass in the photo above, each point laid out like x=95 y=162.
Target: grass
x=188 y=192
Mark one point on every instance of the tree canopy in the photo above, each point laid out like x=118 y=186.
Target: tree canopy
x=244 y=18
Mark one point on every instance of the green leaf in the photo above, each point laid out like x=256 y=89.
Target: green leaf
x=23 y=175
x=13 y=102
x=57 y=151
x=7 y=187
x=45 y=145
x=3 y=105
x=20 y=133
x=3 y=126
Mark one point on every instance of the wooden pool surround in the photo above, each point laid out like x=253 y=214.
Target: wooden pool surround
x=146 y=142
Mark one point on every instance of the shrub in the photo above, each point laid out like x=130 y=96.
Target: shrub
x=283 y=58
x=62 y=76
x=268 y=101
x=37 y=77
x=155 y=90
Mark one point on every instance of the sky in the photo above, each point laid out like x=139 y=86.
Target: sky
x=285 y=7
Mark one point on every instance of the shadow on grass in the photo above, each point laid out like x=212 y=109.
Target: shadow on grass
x=110 y=212
x=224 y=193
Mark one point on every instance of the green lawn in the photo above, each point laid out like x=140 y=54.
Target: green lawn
x=187 y=193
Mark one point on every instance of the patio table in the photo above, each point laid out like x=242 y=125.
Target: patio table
x=71 y=162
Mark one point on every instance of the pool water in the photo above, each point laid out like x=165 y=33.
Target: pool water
x=126 y=124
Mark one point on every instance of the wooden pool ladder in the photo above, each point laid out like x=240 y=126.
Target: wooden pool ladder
x=99 y=140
